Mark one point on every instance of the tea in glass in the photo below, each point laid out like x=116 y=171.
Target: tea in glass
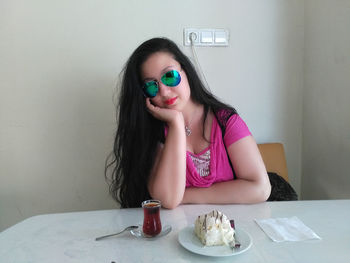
x=151 y=221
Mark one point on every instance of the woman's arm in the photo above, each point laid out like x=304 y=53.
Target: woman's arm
x=168 y=177
x=251 y=186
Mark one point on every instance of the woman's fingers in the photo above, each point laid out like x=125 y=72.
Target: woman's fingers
x=167 y=115
x=151 y=108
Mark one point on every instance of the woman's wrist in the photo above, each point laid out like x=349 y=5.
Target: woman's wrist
x=177 y=121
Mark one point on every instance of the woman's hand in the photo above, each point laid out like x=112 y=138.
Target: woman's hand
x=167 y=115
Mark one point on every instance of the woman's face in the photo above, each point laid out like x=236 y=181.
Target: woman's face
x=154 y=68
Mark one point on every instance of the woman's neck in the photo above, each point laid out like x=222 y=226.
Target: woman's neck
x=192 y=116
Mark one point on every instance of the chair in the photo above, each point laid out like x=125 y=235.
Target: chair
x=275 y=161
x=274 y=158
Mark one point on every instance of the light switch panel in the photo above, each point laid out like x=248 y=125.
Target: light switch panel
x=206 y=37
x=221 y=37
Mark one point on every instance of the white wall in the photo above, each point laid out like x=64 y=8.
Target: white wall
x=326 y=125
x=59 y=65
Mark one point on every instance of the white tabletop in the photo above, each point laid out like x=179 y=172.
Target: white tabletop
x=70 y=237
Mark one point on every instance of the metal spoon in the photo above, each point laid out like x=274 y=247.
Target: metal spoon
x=125 y=229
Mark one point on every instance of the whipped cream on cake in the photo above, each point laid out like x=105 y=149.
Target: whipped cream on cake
x=214 y=229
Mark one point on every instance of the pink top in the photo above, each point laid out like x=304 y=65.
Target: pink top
x=220 y=169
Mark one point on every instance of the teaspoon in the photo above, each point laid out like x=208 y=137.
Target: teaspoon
x=125 y=229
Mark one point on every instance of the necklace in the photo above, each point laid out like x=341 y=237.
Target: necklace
x=188 y=130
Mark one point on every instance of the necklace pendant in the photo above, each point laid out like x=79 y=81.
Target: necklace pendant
x=188 y=131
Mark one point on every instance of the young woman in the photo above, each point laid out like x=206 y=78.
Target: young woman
x=176 y=142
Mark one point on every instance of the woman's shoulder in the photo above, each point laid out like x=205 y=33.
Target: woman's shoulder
x=223 y=115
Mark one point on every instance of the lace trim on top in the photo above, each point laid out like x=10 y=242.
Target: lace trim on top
x=202 y=162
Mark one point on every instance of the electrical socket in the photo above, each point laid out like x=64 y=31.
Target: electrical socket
x=188 y=32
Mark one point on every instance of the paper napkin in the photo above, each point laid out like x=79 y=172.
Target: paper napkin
x=286 y=229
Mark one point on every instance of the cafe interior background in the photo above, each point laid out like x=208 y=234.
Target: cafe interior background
x=286 y=70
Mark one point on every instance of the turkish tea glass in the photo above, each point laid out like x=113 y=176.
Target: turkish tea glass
x=152 y=225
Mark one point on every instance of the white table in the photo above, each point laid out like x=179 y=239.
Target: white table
x=70 y=237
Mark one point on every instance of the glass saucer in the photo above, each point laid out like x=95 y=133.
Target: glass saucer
x=139 y=233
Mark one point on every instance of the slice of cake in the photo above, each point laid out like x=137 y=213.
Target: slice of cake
x=214 y=229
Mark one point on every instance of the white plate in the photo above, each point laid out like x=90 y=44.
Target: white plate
x=190 y=241
x=139 y=233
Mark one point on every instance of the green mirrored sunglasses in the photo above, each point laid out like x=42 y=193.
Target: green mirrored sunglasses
x=171 y=78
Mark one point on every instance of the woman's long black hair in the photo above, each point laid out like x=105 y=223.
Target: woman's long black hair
x=139 y=133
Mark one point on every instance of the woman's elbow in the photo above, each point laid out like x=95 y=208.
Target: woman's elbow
x=265 y=190
x=262 y=191
x=171 y=204
x=168 y=201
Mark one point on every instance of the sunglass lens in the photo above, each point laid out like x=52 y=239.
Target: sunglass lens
x=171 y=78
x=150 y=88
